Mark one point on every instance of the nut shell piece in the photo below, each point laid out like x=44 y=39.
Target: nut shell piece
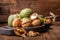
x=26 y=20
x=34 y=16
x=27 y=25
x=31 y=33
x=48 y=21
x=20 y=32
x=36 y=22
x=16 y=22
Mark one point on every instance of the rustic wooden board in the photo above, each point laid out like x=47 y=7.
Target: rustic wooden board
x=3 y=18
x=3 y=37
x=52 y=34
x=40 y=6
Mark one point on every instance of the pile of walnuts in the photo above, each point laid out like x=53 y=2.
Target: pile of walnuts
x=33 y=21
x=26 y=18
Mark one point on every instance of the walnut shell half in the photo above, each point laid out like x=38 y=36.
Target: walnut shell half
x=20 y=32
x=16 y=22
x=27 y=25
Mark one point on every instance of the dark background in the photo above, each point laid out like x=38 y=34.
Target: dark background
x=43 y=7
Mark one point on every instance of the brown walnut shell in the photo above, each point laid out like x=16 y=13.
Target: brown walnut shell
x=27 y=25
x=16 y=22
x=36 y=22
x=20 y=32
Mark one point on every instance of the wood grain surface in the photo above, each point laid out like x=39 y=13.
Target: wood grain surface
x=42 y=7
x=52 y=34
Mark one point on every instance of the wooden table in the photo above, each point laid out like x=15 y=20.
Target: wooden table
x=52 y=34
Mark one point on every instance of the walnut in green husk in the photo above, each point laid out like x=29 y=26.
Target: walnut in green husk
x=11 y=18
x=41 y=18
x=25 y=12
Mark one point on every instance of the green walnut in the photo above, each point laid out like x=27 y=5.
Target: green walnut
x=41 y=19
x=11 y=18
x=18 y=15
x=25 y=12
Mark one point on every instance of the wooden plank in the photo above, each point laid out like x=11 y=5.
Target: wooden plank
x=52 y=34
x=32 y=38
x=4 y=37
x=42 y=7
x=3 y=18
x=55 y=33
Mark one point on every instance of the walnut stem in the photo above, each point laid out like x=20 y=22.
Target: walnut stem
x=54 y=16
